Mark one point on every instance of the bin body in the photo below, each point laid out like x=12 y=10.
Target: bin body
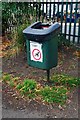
x=43 y=54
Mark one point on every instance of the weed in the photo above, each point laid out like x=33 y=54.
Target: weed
x=19 y=86
x=11 y=83
x=50 y=94
x=6 y=77
x=15 y=78
x=27 y=88
x=30 y=84
x=9 y=79
x=18 y=37
x=66 y=80
x=54 y=94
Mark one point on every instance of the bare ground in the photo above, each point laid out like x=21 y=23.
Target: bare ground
x=16 y=107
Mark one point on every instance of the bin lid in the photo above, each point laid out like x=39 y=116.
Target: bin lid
x=33 y=29
x=39 y=29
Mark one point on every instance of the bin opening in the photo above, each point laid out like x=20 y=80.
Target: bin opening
x=40 y=31
x=41 y=26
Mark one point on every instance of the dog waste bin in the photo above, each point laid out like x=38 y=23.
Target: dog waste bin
x=42 y=45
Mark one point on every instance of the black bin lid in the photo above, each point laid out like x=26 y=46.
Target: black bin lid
x=38 y=31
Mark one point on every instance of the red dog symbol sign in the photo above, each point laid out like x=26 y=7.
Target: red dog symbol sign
x=36 y=51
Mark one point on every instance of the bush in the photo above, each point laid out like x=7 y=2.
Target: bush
x=62 y=41
x=18 y=36
x=14 y=14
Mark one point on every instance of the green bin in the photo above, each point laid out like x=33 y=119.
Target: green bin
x=42 y=45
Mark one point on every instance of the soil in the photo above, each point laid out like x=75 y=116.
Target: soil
x=14 y=106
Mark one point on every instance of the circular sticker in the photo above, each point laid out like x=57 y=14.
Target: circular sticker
x=36 y=54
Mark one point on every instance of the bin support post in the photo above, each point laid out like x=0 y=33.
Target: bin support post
x=48 y=75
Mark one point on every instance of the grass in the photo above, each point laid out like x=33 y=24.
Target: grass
x=50 y=94
x=27 y=88
x=11 y=83
x=9 y=79
x=6 y=77
x=66 y=80
x=54 y=94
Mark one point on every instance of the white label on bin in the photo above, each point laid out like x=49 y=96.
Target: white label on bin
x=36 y=51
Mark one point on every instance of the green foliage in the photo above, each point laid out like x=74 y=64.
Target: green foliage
x=60 y=40
x=6 y=77
x=15 y=14
x=27 y=88
x=18 y=37
x=19 y=86
x=54 y=94
x=63 y=41
x=17 y=17
x=11 y=83
x=65 y=80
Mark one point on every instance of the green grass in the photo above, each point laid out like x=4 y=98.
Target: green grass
x=56 y=93
x=66 y=80
x=27 y=88
x=6 y=77
x=11 y=83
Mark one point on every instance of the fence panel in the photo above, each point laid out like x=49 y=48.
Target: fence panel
x=18 y=13
x=63 y=12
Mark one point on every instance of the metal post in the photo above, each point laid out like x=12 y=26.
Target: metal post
x=48 y=75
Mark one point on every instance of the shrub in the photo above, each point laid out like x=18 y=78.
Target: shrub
x=18 y=37
x=63 y=41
